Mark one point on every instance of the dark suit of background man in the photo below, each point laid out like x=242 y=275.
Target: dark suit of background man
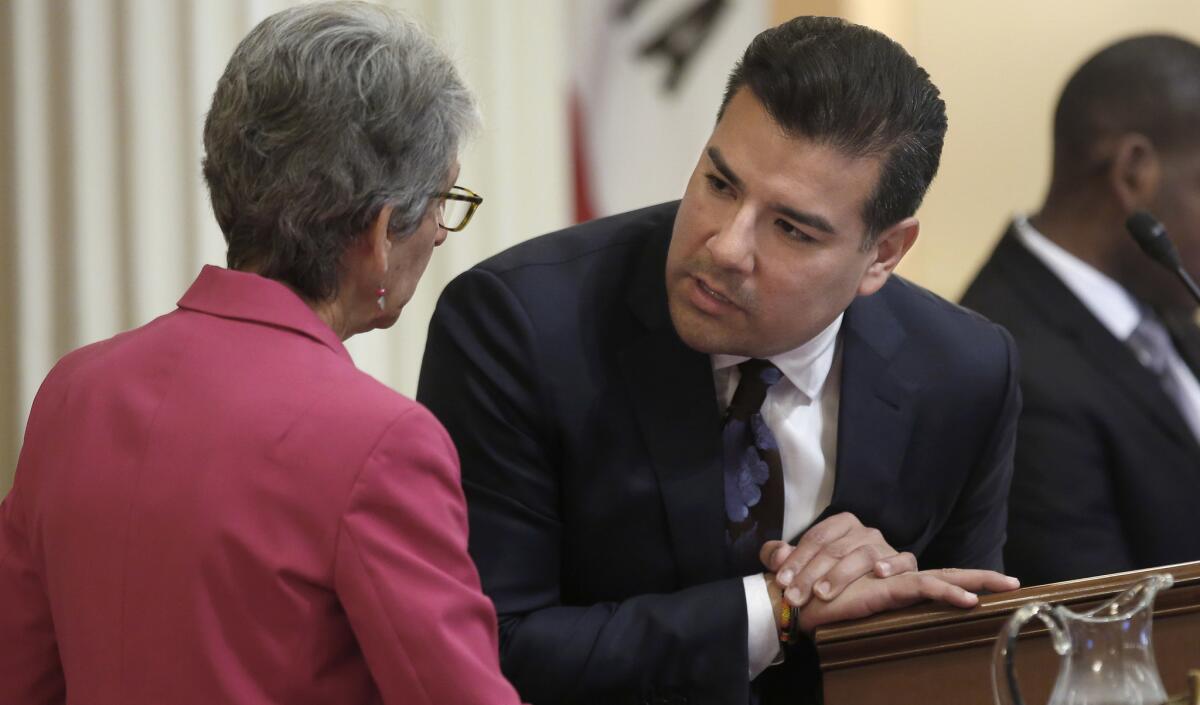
x=1107 y=462
x=583 y=376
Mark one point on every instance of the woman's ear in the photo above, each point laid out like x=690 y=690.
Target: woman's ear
x=376 y=243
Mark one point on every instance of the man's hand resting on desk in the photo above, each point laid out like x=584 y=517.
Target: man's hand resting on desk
x=871 y=595
x=829 y=556
x=854 y=573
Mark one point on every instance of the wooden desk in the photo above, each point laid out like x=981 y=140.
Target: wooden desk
x=932 y=654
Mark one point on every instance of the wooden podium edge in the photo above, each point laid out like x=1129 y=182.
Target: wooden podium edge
x=932 y=628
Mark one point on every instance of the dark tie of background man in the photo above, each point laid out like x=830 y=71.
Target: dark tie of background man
x=753 y=471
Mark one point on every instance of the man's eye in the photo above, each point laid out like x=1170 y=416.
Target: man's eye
x=793 y=232
x=717 y=184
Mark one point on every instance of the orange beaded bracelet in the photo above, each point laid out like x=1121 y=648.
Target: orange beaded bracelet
x=787 y=622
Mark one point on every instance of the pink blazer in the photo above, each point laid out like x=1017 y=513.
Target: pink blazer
x=218 y=507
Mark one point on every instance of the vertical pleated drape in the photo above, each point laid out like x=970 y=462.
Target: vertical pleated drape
x=103 y=212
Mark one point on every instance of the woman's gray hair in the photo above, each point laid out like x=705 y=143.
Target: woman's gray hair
x=325 y=114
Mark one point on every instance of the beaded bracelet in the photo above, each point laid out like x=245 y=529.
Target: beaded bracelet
x=787 y=622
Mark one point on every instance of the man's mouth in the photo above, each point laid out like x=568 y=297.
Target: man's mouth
x=713 y=292
x=711 y=300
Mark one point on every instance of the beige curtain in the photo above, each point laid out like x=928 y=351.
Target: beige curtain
x=104 y=215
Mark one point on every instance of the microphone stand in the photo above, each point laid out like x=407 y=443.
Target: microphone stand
x=1152 y=237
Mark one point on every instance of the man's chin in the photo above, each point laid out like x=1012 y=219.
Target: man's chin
x=704 y=336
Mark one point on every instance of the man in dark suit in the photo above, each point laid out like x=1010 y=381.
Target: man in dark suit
x=622 y=494
x=1107 y=460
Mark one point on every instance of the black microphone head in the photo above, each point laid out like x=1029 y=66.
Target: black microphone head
x=1151 y=236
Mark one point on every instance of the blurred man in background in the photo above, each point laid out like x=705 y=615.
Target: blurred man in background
x=1107 y=463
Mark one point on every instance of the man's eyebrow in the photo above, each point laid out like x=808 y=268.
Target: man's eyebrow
x=722 y=166
x=812 y=220
x=804 y=218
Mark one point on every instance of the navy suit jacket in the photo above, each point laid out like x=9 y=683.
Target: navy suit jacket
x=591 y=452
x=1106 y=468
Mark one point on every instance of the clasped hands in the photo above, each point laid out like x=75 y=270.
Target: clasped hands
x=843 y=570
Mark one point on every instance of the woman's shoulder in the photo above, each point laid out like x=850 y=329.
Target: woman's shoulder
x=357 y=395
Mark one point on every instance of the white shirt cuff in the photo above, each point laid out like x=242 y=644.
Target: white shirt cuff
x=762 y=638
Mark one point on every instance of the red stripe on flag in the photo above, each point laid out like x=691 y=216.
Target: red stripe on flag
x=584 y=208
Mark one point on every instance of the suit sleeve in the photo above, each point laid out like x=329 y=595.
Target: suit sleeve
x=406 y=582
x=1065 y=519
x=974 y=534
x=480 y=376
x=31 y=672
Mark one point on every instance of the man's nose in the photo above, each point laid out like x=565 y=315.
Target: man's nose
x=732 y=246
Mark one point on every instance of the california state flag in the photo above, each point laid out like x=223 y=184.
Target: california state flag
x=646 y=84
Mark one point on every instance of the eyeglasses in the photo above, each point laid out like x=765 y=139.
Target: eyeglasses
x=456 y=207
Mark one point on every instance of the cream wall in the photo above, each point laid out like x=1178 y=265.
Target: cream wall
x=1000 y=66
x=103 y=219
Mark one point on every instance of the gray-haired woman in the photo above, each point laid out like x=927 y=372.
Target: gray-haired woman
x=217 y=507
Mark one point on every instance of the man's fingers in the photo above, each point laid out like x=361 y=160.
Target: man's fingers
x=850 y=567
x=895 y=565
x=804 y=580
x=799 y=564
x=978 y=580
x=773 y=553
x=839 y=563
x=871 y=595
x=932 y=587
x=957 y=587
x=829 y=530
x=812 y=543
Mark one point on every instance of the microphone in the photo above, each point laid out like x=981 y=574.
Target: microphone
x=1151 y=236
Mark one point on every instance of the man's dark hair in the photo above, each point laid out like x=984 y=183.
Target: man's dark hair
x=854 y=89
x=1148 y=84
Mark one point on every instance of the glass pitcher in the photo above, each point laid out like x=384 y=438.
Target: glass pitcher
x=1107 y=656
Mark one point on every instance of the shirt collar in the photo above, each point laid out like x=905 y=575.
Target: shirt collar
x=806 y=367
x=250 y=297
x=1107 y=300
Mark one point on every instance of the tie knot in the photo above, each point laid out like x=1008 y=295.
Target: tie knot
x=1151 y=342
x=757 y=377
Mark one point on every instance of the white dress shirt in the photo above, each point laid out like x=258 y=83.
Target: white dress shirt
x=1112 y=305
x=801 y=410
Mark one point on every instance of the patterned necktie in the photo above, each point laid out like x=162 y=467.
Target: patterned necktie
x=753 y=471
x=1151 y=342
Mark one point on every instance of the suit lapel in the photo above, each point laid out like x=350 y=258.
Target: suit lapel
x=1111 y=359
x=875 y=412
x=674 y=402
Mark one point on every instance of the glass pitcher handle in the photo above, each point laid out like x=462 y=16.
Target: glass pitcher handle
x=1004 y=669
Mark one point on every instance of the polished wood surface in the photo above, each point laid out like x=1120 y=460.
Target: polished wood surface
x=931 y=654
